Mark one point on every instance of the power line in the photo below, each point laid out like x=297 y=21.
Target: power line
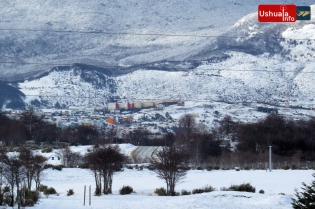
x=151 y=67
x=39 y=95
x=145 y=34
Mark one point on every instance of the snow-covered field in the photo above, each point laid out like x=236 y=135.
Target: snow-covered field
x=145 y=182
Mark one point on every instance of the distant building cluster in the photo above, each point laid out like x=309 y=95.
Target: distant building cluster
x=267 y=109
x=158 y=104
x=117 y=113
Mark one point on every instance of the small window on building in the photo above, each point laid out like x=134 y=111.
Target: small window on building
x=58 y=158
x=52 y=158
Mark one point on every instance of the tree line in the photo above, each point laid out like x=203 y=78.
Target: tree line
x=289 y=138
x=230 y=139
x=32 y=126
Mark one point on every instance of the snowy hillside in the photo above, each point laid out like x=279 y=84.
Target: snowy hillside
x=69 y=87
x=117 y=22
x=241 y=78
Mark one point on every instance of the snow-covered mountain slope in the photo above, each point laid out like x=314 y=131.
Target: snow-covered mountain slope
x=264 y=62
x=252 y=37
x=10 y=97
x=242 y=77
x=65 y=87
x=118 y=22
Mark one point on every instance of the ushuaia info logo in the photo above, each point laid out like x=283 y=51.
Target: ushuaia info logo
x=277 y=13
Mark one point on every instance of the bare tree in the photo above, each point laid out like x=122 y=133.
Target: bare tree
x=14 y=173
x=187 y=125
x=38 y=164
x=3 y=189
x=226 y=125
x=68 y=157
x=33 y=164
x=111 y=134
x=93 y=161
x=26 y=158
x=104 y=161
x=17 y=133
x=171 y=165
x=30 y=119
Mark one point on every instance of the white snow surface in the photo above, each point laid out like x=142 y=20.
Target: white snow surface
x=145 y=182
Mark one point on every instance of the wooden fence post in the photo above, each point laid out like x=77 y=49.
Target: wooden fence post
x=84 y=195
x=90 y=195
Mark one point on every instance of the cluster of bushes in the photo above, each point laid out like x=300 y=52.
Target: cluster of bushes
x=126 y=190
x=47 y=150
x=198 y=191
x=54 y=167
x=185 y=192
x=31 y=197
x=47 y=191
x=203 y=190
x=70 y=192
x=83 y=166
x=240 y=188
x=129 y=167
x=162 y=192
x=140 y=168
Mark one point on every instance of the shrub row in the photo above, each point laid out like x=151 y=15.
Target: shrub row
x=240 y=188
x=140 y=168
x=210 y=168
x=162 y=191
x=47 y=150
x=203 y=190
x=54 y=167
